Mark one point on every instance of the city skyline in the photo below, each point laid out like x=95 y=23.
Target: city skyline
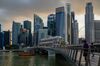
x=42 y=12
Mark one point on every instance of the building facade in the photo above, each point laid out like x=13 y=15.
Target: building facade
x=89 y=25
x=60 y=22
x=51 y=25
x=1 y=40
x=69 y=23
x=72 y=21
x=97 y=31
x=15 y=32
x=23 y=37
x=75 y=32
x=42 y=33
x=51 y=42
x=38 y=24
x=0 y=27
x=27 y=25
x=7 y=39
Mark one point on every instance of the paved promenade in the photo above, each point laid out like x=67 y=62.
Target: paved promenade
x=93 y=60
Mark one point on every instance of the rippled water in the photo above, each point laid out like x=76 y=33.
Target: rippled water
x=12 y=59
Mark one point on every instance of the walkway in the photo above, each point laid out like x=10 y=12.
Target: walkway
x=93 y=60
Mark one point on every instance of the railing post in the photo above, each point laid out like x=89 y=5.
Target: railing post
x=70 y=53
x=76 y=55
x=99 y=61
x=80 y=58
x=73 y=55
x=67 y=51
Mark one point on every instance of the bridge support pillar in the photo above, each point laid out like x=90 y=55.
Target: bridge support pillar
x=51 y=53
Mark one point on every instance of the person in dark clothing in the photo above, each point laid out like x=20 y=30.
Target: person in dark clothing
x=86 y=52
x=86 y=47
x=92 y=49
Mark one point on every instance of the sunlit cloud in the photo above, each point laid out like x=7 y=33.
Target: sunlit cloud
x=97 y=17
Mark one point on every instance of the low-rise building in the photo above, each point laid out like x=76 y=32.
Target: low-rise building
x=51 y=42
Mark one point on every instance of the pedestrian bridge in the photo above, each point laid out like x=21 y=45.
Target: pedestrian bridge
x=75 y=54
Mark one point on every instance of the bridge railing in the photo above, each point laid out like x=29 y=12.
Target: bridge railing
x=75 y=53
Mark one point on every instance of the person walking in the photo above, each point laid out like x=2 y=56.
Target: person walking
x=86 y=52
x=92 y=49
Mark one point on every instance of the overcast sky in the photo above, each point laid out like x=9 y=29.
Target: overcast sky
x=20 y=10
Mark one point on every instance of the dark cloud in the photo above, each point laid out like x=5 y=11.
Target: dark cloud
x=11 y=9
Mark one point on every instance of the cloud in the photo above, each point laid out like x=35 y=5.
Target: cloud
x=12 y=9
x=79 y=6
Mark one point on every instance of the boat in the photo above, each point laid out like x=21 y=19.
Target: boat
x=26 y=53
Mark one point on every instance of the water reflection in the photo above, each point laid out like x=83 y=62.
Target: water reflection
x=6 y=59
x=51 y=61
x=12 y=59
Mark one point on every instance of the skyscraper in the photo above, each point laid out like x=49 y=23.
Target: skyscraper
x=97 y=31
x=15 y=32
x=69 y=23
x=38 y=24
x=27 y=25
x=75 y=32
x=60 y=22
x=23 y=37
x=89 y=25
x=0 y=27
x=51 y=25
x=72 y=30
x=7 y=39
x=43 y=33
x=1 y=40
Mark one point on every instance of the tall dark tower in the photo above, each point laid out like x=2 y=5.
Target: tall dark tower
x=60 y=22
x=72 y=30
x=38 y=24
x=7 y=38
x=89 y=25
x=15 y=32
x=27 y=25
x=0 y=27
x=51 y=25
x=69 y=24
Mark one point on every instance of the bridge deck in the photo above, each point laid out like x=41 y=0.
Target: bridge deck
x=93 y=60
